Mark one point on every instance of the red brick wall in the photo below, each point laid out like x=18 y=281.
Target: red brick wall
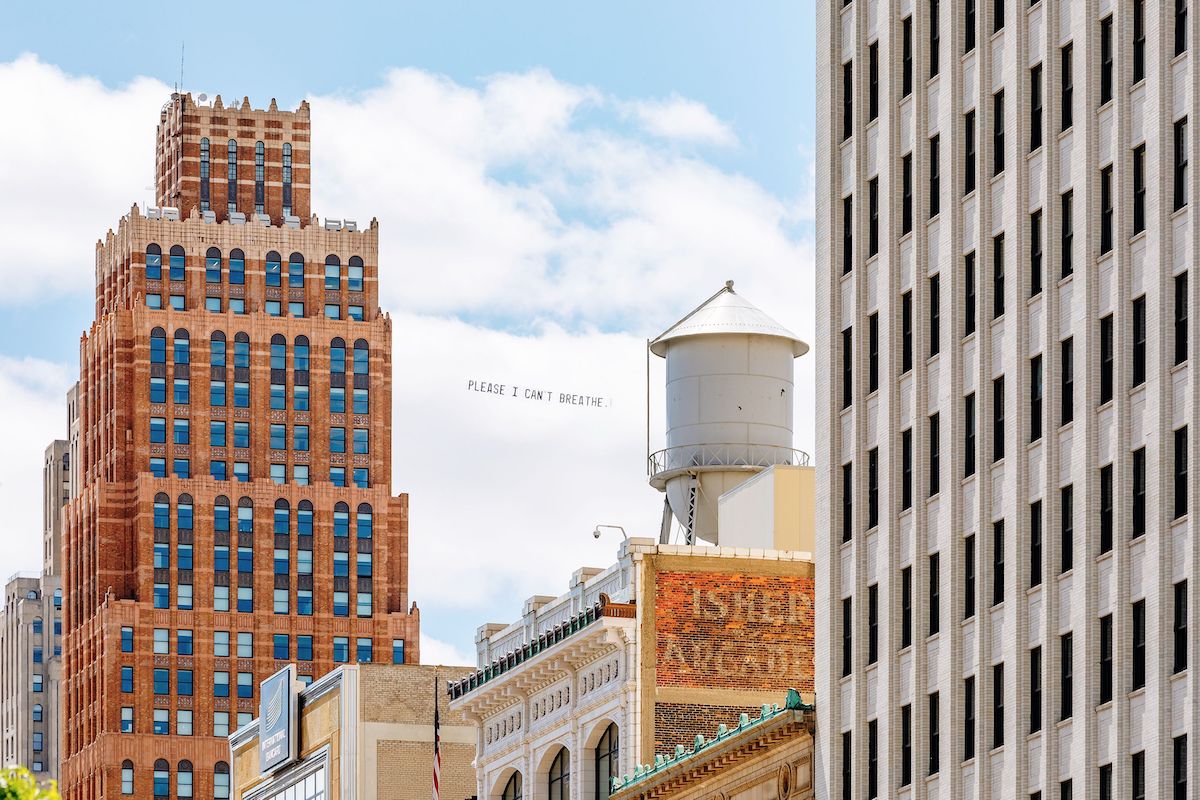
x=679 y=723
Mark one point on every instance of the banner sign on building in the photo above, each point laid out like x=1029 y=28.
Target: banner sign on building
x=277 y=740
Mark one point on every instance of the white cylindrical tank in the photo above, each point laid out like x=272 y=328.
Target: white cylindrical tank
x=729 y=405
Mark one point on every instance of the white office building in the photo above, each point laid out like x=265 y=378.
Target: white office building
x=1006 y=402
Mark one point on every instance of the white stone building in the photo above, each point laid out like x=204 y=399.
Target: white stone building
x=1006 y=405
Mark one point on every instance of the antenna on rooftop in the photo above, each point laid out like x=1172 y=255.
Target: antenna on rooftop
x=181 y=49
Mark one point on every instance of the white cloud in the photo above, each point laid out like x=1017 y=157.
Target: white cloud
x=32 y=413
x=527 y=237
x=682 y=119
x=435 y=651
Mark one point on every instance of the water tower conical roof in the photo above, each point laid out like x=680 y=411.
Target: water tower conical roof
x=726 y=312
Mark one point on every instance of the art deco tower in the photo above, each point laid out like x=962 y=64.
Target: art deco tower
x=1007 y=406
x=234 y=512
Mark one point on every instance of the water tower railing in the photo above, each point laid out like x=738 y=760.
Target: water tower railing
x=685 y=457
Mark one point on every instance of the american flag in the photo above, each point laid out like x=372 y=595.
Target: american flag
x=437 y=745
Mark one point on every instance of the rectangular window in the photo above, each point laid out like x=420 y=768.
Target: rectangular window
x=935 y=594
x=1035 y=108
x=872 y=358
x=968 y=730
x=969 y=577
x=969 y=293
x=873 y=217
x=1066 y=496
x=1035 y=543
x=1137 y=775
x=873 y=81
x=906 y=754
x=1179 y=767
x=906 y=589
x=998 y=276
x=1106 y=658
x=1035 y=398
x=997 y=562
x=969 y=435
x=1139 y=493
x=1067 y=682
x=872 y=623
x=872 y=759
x=847 y=234
x=1106 y=782
x=935 y=315
x=1180 y=164
x=872 y=488
x=997 y=705
x=1137 y=678
x=906 y=469
x=1181 y=472
x=935 y=181
x=1139 y=40
x=847 y=767
x=1035 y=253
x=970 y=168
x=935 y=37
x=1106 y=209
x=847 y=502
x=935 y=453
x=934 y=738
x=1139 y=188
x=1179 y=628
x=1068 y=85
x=906 y=333
x=969 y=23
x=1068 y=381
x=1181 y=317
x=1106 y=359
x=998 y=418
x=906 y=205
x=397 y=651
x=1106 y=508
x=998 y=133
x=1106 y=59
x=847 y=367
x=997 y=15
x=1068 y=233
x=1035 y=689
x=847 y=100
x=1181 y=7
x=847 y=637
x=1139 y=341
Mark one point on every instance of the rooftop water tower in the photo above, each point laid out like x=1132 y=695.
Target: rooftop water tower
x=729 y=407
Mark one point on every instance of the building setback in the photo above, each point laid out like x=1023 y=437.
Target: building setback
x=234 y=511
x=1006 y=406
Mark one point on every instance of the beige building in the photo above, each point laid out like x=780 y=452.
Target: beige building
x=31 y=637
x=365 y=731
x=767 y=756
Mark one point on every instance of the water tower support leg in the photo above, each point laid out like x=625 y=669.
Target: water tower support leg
x=664 y=533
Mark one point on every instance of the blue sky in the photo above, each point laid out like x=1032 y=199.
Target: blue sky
x=600 y=79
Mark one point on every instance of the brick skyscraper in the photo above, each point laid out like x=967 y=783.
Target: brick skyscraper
x=234 y=511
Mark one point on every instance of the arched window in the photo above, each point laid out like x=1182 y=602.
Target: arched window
x=241 y=350
x=607 y=761
x=300 y=354
x=221 y=514
x=296 y=271
x=283 y=517
x=126 y=777
x=178 y=263
x=212 y=265
x=183 y=779
x=153 y=262
x=287 y=179
x=37 y=707
x=364 y=524
x=273 y=268
x=37 y=626
x=333 y=273
x=183 y=513
x=162 y=778
x=231 y=172
x=158 y=346
x=354 y=276
x=221 y=781
x=216 y=349
x=205 y=169
x=260 y=177
x=512 y=789
x=304 y=518
x=162 y=511
x=58 y=598
x=245 y=514
x=362 y=357
x=559 y=779
x=278 y=351
x=237 y=267
x=341 y=520
x=183 y=350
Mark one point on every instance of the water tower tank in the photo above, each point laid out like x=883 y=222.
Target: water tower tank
x=729 y=406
